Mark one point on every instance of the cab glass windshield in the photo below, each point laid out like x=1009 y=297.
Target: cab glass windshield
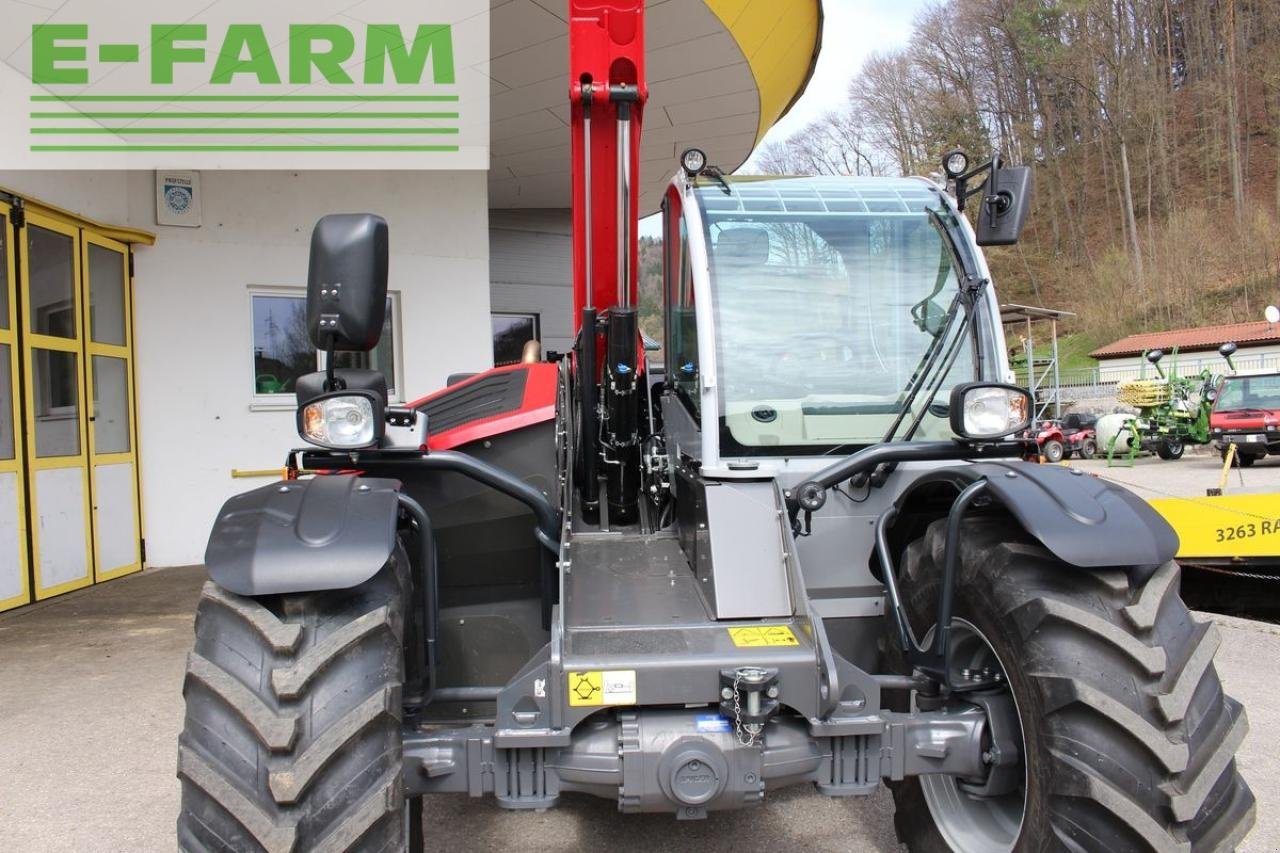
x=830 y=296
x=1249 y=392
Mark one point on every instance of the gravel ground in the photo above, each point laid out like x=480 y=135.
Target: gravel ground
x=92 y=705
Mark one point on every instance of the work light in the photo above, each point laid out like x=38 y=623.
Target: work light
x=956 y=163
x=344 y=420
x=693 y=160
x=985 y=410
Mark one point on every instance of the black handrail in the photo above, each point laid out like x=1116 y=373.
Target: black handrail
x=546 y=515
x=812 y=493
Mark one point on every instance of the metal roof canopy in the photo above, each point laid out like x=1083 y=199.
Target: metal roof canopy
x=1011 y=314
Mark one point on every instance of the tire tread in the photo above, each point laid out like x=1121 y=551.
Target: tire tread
x=1141 y=734
x=292 y=733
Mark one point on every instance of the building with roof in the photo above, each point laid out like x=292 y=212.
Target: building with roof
x=1258 y=349
x=142 y=363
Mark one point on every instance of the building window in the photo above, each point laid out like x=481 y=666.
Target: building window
x=510 y=333
x=282 y=349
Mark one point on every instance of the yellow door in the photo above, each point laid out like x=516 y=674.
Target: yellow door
x=57 y=452
x=13 y=514
x=112 y=437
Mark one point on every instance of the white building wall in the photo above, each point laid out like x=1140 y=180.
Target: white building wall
x=531 y=269
x=1263 y=359
x=193 y=338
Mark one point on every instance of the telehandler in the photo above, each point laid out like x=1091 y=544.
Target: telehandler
x=805 y=549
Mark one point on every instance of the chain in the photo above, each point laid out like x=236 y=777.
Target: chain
x=1233 y=572
x=750 y=738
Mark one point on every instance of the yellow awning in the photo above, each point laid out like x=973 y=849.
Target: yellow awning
x=120 y=233
x=780 y=42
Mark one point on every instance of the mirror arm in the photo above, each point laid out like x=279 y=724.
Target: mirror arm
x=963 y=193
x=331 y=382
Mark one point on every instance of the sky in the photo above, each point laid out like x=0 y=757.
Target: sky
x=852 y=30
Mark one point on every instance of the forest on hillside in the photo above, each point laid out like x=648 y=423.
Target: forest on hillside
x=1153 y=129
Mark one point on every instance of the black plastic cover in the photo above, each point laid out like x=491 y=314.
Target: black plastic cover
x=1082 y=520
x=347 y=281
x=330 y=532
x=493 y=395
x=309 y=386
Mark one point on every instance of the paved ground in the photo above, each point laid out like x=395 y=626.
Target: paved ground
x=90 y=708
x=1200 y=469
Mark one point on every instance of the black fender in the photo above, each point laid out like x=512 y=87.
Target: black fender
x=331 y=532
x=1081 y=520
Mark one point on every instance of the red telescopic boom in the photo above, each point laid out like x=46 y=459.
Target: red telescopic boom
x=607 y=93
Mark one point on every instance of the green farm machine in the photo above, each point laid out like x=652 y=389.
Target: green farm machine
x=1173 y=410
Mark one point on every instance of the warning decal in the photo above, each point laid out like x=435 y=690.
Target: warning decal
x=602 y=687
x=767 y=635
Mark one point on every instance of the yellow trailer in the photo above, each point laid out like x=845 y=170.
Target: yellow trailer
x=1235 y=528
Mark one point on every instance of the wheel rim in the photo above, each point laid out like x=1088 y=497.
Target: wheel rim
x=968 y=823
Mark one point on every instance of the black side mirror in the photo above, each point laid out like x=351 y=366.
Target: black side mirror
x=347 y=282
x=1004 y=205
x=1155 y=355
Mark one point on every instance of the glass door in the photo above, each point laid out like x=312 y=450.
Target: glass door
x=56 y=448
x=13 y=514
x=112 y=437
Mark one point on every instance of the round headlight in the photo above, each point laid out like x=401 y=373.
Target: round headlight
x=956 y=163
x=693 y=161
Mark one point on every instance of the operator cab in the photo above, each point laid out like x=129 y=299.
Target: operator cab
x=838 y=313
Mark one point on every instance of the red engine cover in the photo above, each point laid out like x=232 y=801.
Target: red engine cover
x=491 y=403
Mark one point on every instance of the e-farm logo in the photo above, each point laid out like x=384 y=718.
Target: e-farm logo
x=312 y=88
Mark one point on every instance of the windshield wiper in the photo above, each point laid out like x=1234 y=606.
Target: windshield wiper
x=966 y=297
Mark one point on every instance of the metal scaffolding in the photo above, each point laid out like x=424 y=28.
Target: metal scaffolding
x=1043 y=378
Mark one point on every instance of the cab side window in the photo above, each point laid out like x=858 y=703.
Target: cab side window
x=681 y=326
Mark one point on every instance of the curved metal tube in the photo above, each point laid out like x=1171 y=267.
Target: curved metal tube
x=548 y=517
x=430 y=592
x=897 y=451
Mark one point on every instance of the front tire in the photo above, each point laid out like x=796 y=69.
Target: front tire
x=1053 y=451
x=1170 y=449
x=292 y=739
x=1129 y=741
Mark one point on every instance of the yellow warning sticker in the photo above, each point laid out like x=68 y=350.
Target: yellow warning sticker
x=766 y=635
x=602 y=687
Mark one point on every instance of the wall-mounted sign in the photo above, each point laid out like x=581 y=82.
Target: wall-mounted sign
x=155 y=84
x=178 y=199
